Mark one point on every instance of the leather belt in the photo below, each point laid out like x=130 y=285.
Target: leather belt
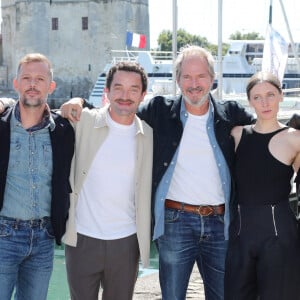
x=202 y=210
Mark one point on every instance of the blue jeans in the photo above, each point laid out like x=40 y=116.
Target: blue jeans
x=26 y=258
x=191 y=238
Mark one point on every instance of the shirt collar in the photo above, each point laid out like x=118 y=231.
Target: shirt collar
x=46 y=122
x=101 y=120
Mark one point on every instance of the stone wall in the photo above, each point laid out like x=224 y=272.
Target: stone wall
x=78 y=55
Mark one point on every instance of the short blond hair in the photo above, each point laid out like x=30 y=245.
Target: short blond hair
x=35 y=57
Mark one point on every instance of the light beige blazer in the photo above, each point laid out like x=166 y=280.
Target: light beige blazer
x=90 y=132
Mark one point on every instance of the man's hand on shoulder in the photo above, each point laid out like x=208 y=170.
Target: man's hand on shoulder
x=294 y=121
x=72 y=109
x=6 y=102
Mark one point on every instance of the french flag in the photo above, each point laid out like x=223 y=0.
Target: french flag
x=135 y=40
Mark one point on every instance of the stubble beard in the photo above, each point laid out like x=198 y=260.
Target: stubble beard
x=33 y=103
x=199 y=102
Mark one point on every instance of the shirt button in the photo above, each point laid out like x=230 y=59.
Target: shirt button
x=165 y=164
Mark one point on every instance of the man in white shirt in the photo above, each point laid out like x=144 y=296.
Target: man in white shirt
x=109 y=219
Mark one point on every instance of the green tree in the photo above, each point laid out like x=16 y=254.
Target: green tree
x=184 y=38
x=245 y=36
x=165 y=40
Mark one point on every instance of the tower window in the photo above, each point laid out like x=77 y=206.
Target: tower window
x=85 y=23
x=54 y=23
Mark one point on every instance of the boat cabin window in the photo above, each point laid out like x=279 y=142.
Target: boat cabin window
x=235 y=48
x=254 y=50
x=291 y=51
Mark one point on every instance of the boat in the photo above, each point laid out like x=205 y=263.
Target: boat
x=157 y=64
x=244 y=58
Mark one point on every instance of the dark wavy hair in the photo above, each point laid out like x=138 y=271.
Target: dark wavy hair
x=127 y=66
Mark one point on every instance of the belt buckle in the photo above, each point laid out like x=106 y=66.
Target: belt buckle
x=201 y=210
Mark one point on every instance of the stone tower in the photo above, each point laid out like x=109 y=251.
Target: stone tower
x=77 y=36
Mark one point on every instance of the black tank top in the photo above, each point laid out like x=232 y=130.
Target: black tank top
x=260 y=178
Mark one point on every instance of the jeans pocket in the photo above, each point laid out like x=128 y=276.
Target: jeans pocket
x=171 y=215
x=221 y=219
x=5 y=230
x=49 y=230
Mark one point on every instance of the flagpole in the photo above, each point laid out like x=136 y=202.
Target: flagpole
x=290 y=35
x=174 y=46
x=220 y=56
x=270 y=12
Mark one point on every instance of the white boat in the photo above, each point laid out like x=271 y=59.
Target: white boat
x=157 y=64
x=244 y=58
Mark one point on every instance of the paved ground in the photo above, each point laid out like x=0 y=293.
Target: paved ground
x=147 y=287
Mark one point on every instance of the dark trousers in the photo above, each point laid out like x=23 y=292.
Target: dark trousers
x=263 y=258
x=113 y=264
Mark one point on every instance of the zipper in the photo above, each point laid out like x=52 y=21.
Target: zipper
x=240 y=220
x=274 y=222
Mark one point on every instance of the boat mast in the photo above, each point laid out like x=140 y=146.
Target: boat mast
x=270 y=12
x=220 y=56
x=290 y=35
x=174 y=46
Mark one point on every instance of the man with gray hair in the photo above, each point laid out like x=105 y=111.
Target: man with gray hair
x=193 y=157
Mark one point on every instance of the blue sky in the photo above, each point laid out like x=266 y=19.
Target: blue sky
x=200 y=17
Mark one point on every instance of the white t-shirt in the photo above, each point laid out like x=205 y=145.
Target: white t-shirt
x=106 y=208
x=196 y=179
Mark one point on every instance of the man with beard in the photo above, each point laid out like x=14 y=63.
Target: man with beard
x=36 y=150
x=192 y=186
x=110 y=215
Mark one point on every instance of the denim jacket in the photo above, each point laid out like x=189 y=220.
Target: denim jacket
x=62 y=142
x=163 y=115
